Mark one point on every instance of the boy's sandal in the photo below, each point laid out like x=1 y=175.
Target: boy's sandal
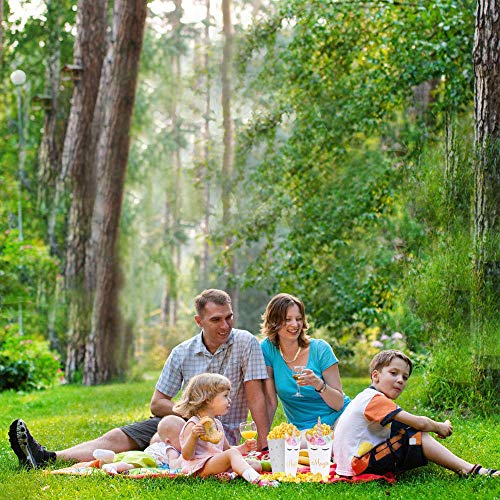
x=488 y=472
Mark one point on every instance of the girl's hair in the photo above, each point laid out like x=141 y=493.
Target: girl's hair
x=201 y=389
x=275 y=316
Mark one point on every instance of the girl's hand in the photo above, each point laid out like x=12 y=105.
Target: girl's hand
x=246 y=447
x=198 y=430
x=249 y=445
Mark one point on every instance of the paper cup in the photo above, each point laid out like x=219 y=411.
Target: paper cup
x=320 y=458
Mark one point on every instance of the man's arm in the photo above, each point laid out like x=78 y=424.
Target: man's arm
x=271 y=397
x=426 y=424
x=257 y=405
x=161 y=405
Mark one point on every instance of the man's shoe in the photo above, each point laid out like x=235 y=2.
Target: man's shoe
x=32 y=453
x=14 y=444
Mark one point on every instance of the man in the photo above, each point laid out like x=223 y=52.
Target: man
x=218 y=348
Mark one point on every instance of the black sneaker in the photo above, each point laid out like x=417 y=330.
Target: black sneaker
x=14 y=444
x=29 y=451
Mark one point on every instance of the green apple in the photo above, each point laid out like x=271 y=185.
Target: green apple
x=266 y=465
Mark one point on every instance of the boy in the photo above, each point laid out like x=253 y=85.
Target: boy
x=375 y=436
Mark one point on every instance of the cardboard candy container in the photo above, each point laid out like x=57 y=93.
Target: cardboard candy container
x=319 y=445
x=284 y=445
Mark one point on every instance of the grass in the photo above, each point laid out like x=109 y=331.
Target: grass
x=66 y=415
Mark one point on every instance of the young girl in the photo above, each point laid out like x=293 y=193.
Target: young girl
x=207 y=395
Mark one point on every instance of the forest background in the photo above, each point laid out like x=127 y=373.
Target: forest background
x=345 y=152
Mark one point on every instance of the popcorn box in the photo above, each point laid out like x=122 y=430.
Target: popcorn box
x=320 y=457
x=284 y=454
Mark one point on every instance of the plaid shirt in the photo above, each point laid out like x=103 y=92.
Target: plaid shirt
x=240 y=359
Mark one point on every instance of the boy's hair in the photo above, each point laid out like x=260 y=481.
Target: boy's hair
x=275 y=316
x=219 y=297
x=200 y=390
x=384 y=358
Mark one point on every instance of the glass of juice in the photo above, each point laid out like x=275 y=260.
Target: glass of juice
x=248 y=430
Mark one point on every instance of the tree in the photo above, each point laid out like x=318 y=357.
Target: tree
x=115 y=107
x=486 y=224
x=78 y=164
x=227 y=176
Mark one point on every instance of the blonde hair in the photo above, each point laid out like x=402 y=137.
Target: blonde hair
x=201 y=389
x=275 y=317
x=384 y=358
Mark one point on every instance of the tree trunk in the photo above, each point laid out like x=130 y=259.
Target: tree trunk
x=54 y=127
x=172 y=190
x=486 y=260
x=228 y=154
x=206 y=149
x=77 y=163
x=116 y=100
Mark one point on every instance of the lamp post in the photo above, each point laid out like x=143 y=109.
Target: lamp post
x=18 y=78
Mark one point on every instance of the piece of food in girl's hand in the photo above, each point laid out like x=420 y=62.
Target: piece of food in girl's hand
x=212 y=435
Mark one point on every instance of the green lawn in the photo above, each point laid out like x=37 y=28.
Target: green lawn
x=64 y=416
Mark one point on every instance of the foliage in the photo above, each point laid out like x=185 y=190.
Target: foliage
x=26 y=364
x=28 y=276
x=330 y=149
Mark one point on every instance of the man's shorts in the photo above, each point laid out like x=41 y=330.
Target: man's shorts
x=402 y=451
x=142 y=432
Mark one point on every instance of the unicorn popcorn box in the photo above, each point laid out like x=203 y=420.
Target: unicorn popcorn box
x=284 y=445
x=319 y=445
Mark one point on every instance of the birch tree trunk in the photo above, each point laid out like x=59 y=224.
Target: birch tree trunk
x=116 y=103
x=77 y=163
x=228 y=154
x=206 y=147
x=172 y=191
x=486 y=260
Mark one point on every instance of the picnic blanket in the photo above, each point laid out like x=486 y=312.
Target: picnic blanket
x=92 y=468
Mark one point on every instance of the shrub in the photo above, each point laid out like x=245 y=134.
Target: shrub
x=26 y=364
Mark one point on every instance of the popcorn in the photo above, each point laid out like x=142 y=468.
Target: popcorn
x=282 y=430
x=301 y=477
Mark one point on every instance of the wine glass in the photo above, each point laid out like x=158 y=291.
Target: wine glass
x=248 y=430
x=296 y=372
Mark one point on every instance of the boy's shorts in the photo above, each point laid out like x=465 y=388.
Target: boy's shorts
x=402 y=451
x=142 y=432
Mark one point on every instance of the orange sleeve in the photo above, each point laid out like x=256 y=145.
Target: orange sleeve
x=381 y=409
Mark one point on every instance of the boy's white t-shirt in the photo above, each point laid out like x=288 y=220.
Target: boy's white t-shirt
x=365 y=423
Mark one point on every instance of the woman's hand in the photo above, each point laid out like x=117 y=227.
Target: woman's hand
x=308 y=377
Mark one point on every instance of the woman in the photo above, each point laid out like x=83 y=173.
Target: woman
x=286 y=346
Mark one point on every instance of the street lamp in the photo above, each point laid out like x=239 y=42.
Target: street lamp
x=18 y=78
